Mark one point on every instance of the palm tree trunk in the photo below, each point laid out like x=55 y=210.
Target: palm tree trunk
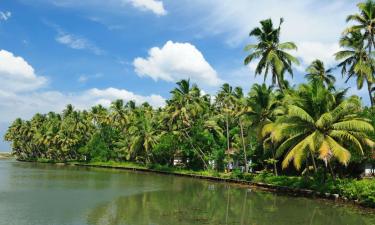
x=200 y=152
x=274 y=161
x=313 y=161
x=369 y=92
x=243 y=145
x=279 y=83
x=369 y=83
x=227 y=127
x=331 y=171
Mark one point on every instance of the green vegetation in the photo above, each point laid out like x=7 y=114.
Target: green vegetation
x=315 y=126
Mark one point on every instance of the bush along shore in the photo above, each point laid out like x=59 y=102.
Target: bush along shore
x=314 y=134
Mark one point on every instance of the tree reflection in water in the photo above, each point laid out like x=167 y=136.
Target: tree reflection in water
x=207 y=203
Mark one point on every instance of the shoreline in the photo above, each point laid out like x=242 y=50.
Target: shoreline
x=277 y=189
x=5 y=155
x=294 y=192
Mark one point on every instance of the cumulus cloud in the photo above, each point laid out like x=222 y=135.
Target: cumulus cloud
x=175 y=61
x=16 y=75
x=27 y=104
x=106 y=96
x=77 y=42
x=154 y=6
x=21 y=93
x=5 y=15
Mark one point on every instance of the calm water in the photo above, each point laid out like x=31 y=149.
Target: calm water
x=61 y=195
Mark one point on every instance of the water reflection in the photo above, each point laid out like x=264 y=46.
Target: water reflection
x=203 y=204
x=44 y=194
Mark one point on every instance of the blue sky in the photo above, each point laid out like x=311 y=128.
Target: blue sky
x=55 y=52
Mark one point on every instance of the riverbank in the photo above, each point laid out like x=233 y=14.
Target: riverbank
x=359 y=192
x=5 y=155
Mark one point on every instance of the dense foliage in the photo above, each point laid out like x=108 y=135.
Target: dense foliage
x=314 y=125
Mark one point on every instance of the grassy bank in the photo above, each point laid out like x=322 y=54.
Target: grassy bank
x=359 y=191
x=5 y=155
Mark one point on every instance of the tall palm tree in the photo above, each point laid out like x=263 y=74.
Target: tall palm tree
x=365 y=23
x=225 y=101
x=356 y=62
x=184 y=107
x=241 y=114
x=265 y=107
x=273 y=56
x=144 y=133
x=317 y=72
x=318 y=124
x=365 y=27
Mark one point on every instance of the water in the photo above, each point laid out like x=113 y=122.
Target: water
x=42 y=194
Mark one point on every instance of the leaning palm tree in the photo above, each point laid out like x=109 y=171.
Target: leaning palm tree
x=185 y=106
x=273 y=56
x=317 y=125
x=317 y=72
x=356 y=62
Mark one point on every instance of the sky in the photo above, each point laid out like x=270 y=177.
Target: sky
x=88 y=52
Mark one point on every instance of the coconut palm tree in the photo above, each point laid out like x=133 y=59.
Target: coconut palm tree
x=356 y=62
x=318 y=124
x=144 y=133
x=184 y=107
x=364 y=26
x=265 y=107
x=364 y=23
x=118 y=114
x=317 y=72
x=273 y=56
x=241 y=114
x=225 y=101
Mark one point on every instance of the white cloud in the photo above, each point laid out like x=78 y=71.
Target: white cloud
x=21 y=94
x=105 y=96
x=5 y=15
x=112 y=6
x=309 y=51
x=176 y=61
x=27 y=104
x=308 y=20
x=16 y=75
x=82 y=78
x=155 y=6
x=76 y=42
